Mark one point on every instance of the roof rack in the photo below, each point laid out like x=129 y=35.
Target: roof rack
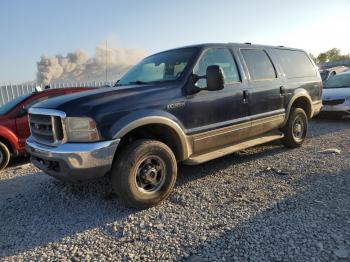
x=280 y=45
x=248 y=43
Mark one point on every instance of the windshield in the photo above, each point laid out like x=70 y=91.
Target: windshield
x=12 y=104
x=163 y=67
x=338 y=81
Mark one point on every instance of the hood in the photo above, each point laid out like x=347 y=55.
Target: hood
x=108 y=105
x=336 y=93
x=110 y=100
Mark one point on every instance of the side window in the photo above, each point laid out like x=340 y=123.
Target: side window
x=295 y=63
x=259 y=64
x=221 y=57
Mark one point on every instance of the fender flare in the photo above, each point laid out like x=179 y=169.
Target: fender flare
x=298 y=94
x=139 y=119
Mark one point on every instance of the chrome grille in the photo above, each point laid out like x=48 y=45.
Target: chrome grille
x=46 y=129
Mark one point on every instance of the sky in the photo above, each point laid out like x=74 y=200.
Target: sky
x=30 y=29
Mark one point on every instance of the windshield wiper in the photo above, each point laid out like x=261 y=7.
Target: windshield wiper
x=138 y=82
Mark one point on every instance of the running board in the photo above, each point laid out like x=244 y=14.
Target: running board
x=198 y=159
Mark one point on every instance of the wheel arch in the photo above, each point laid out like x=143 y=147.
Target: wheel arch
x=10 y=139
x=303 y=100
x=8 y=144
x=158 y=127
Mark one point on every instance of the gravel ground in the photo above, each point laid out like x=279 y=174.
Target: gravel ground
x=267 y=203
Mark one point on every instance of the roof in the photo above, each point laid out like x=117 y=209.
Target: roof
x=240 y=45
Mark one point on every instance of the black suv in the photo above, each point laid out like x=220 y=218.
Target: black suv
x=190 y=105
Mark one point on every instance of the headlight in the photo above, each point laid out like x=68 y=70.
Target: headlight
x=82 y=129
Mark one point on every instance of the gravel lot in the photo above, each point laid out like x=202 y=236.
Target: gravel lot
x=267 y=203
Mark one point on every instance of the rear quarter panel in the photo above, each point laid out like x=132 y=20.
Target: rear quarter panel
x=311 y=84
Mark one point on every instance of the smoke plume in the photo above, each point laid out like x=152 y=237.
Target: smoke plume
x=79 y=67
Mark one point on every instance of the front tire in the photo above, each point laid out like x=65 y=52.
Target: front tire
x=144 y=173
x=295 y=129
x=4 y=156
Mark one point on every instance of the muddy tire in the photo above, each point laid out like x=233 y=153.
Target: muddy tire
x=4 y=156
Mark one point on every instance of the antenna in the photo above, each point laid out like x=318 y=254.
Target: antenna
x=106 y=63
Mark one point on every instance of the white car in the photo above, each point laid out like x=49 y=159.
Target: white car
x=327 y=73
x=336 y=96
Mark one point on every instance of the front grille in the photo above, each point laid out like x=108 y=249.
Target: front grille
x=46 y=129
x=333 y=102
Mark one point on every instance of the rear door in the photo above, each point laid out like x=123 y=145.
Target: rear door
x=266 y=90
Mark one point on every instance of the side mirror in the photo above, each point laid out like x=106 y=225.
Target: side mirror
x=215 y=78
x=22 y=112
x=38 y=89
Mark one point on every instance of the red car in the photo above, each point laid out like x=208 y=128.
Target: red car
x=14 y=126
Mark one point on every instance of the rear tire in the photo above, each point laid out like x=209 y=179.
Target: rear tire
x=296 y=128
x=4 y=156
x=144 y=173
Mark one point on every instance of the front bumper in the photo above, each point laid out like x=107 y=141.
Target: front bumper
x=336 y=111
x=73 y=161
x=340 y=109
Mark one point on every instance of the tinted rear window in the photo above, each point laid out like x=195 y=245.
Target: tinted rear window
x=295 y=64
x=259 y=64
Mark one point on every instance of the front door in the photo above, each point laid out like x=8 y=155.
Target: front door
x=216 y=118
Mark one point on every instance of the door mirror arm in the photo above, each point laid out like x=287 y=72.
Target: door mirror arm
x=191 y=87
x=196 y=78
x=23 y=111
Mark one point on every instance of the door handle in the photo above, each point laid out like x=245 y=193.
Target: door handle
x=245 y=96
x=282 y=90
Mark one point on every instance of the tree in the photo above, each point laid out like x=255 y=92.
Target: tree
x=331 y=55
x=322 y=58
